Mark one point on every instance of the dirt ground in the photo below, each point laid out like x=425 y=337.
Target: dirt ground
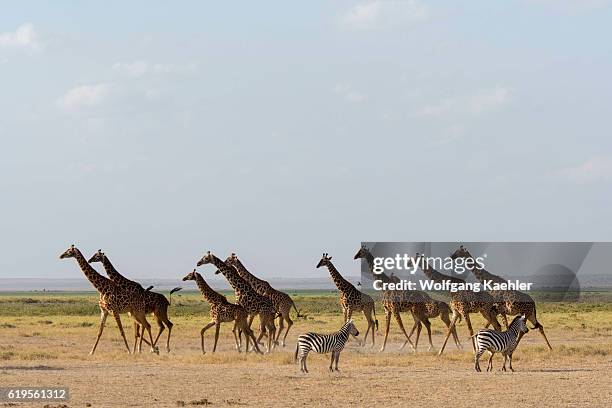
x=38 y=352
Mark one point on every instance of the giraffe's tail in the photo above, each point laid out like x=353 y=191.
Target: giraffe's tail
x=172 y=291
x=303 y=316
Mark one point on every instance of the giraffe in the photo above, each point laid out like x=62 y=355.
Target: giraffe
x=156 y=303
x=509 y=302
x=246 y=297
x=222 y=311
x=114 y=299
x=462 y=302
x=418 y=303
x=282 y=302
x=351 y=299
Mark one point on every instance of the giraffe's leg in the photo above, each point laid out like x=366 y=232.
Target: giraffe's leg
x=160 y=326
x=533 y=319
x=169 y=324
x=428 y=327
x=418 y=334
x=289 y=324
x=387 y=324
x=208 y=326
x=262 y=330
x=452 y=325
x=235 y=333
x=240 y=330
x=142 y=319
x=103 y=316
x=368 y=315
x=374 y=326
x=136 y=334
x=444 y=317
x=217 y=327
x=491 y=317
x=281 y=326
x=118 y=320
x=251 y=317
x=272 y=331
x=471 y=331
x=414 y=326
x=250 y=335
x=400 y=323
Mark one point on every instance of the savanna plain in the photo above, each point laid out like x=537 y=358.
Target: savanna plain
x=45 y=339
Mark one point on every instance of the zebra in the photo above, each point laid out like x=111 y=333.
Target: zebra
x=324 y=343
x=495 y=341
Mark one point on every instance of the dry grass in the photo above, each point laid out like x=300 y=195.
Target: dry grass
x=40 y=351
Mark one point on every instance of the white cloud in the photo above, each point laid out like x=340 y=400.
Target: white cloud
x=488 y=99
x=482 y=101
x=84 y=96
x=569 y=6
x=349 y=94
x=23 y=37
x=384 y=14
x=140 y=68
x=592 y=170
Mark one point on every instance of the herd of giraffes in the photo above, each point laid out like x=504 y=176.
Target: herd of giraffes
x=256 y=297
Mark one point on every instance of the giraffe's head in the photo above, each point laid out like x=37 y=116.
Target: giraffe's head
x=232 y=259
x=361 y=254
x=190 y=276
x=97 y=257
x=325 y=260
x=462 y=252
x=208 y=258
x=69 y=253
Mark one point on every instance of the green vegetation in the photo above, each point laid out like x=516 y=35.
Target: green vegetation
x=186 y=303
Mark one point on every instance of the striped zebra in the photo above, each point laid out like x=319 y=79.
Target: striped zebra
x=495 y=341
x=324 y=343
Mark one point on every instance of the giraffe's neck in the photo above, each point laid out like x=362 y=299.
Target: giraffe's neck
x=237 y=283
x=482 y=275
x=370 y=261
x=248 y=276
x=112 y=273
x=209 y=294
x=341 y=283
x=436 y=276
x=99 y=282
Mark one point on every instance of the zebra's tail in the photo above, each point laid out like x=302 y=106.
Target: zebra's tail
x=171 y=292
x=297 y=347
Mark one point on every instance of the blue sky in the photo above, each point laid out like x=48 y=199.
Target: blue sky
x=281 y=130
